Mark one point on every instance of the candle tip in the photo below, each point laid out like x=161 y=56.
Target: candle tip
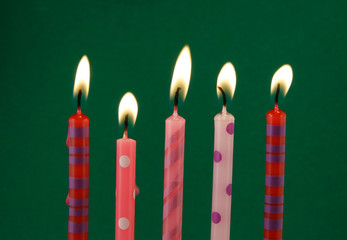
x=176 y=98
x=79 y=99
x=224 y=96
x=126 y=124
x=277 y=94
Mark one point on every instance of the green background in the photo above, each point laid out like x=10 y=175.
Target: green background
x=133 y=46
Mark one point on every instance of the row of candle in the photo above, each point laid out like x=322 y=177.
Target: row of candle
x=126 y=189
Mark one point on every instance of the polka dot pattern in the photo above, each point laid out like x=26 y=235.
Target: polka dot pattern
x=123 y=223
x=217 y=156
x=216 y=218
x=230 y=128
x=229 y=189
x=124 y=161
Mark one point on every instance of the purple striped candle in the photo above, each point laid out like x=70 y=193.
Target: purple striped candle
x=274 y=178
x=78 y=197
x=275 y=157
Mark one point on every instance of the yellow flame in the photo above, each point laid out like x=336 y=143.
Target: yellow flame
x=227 y=79
x=284 y=77
x=127 y=106
x=82 y=77
x=182 y=71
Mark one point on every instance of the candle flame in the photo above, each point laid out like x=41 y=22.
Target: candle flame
x=82 y=78
x=181 y=75
x=127 y=106
x=284 y=77
x=227 y=79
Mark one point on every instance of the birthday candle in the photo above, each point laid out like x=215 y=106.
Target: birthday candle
x=275 y=156
x=126 y=172
x=174 y=152
x=78 y=144
x=223 y=158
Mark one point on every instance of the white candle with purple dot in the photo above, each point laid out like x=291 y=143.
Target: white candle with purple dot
x=223 y=158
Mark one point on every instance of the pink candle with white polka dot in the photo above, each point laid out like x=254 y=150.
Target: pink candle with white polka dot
x=125 y=175
x=223 y=158
x=174 y=152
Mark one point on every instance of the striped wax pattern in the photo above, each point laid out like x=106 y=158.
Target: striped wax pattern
x=78 y=197
x=274 y=177
x=173 y=178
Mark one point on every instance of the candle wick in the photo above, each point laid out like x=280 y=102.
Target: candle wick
x=126 y=123
x=224 y=97
x=176 y=99
x=276 y=96
x=79 y=96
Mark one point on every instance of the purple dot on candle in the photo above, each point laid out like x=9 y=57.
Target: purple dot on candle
x=229 y=189
x=230 y=128
x=216 y=217
x=217 y=156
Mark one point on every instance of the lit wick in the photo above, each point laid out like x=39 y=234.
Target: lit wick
x=126 y=123
x=79 y=96
x=276 y=96
x=176 y=99
x=224 y=98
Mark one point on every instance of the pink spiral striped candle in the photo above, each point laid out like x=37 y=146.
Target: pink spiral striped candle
x=174 y=151
x=173 y=177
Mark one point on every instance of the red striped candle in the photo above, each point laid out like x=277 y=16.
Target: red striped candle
x=78 y=144
x=174 y=152
x=275 y=156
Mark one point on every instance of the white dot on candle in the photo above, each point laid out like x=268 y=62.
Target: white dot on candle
x=134 y=193
x=123 y=223
x=124 y=161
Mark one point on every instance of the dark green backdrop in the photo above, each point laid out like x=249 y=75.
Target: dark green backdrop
x=133 y=46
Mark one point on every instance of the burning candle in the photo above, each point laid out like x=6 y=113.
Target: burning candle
x=125 y=176
x=223 y=157
x=78 y=144
x=275 y=153
x=174 y=151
